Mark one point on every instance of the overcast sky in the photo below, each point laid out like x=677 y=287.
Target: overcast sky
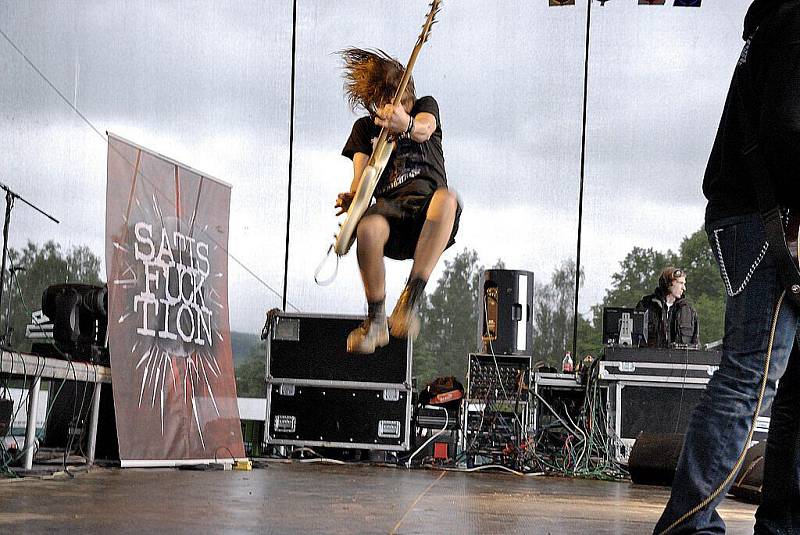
x=208 y=84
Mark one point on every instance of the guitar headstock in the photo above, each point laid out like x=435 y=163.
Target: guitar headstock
x=430 y=20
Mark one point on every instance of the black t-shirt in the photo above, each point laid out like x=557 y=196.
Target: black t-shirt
x=772 y=63
x=413 y=168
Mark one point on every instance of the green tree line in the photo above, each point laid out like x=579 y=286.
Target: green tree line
x=449 y=311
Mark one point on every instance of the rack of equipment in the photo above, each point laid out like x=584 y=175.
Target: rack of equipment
x=497 y=410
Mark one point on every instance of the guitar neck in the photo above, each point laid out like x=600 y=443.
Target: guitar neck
x=401 y=89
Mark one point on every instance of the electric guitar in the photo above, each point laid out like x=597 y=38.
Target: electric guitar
x=380 y=154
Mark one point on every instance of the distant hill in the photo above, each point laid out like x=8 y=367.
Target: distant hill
x=242 y=344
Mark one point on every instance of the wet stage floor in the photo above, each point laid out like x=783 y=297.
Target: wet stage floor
x=317 y=498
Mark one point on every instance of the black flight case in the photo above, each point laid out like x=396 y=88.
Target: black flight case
x=320 y=395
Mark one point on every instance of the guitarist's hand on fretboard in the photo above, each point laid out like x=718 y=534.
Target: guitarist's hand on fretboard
x=394 y=118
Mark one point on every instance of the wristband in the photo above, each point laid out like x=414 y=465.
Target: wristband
x=407 y=133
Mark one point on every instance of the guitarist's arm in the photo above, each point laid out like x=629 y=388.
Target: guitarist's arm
x=344 y=199
x=359 y=163
x=424 y=127
x=396 y=119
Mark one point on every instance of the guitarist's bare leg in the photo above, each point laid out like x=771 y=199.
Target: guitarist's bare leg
x=435 y=233
x=372 y=233
x=433 y=239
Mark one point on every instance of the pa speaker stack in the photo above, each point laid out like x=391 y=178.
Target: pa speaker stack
x=505 y=323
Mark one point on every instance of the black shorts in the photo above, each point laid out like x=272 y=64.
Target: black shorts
x=406 y=216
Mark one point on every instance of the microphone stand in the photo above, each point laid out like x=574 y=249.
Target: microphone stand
x=9 y=334
x=11 y=197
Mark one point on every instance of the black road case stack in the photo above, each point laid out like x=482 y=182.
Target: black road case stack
x=653 y=390
x=320 y=395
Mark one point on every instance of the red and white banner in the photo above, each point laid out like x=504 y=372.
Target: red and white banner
x=168 y=326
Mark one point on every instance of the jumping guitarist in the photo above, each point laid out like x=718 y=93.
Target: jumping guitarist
x=755 y=158
x=415 y=215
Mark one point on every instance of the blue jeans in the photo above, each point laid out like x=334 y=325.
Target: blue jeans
x=720 y=425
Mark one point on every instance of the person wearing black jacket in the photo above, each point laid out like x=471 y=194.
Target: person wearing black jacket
x=761 y=360
x=670 y=317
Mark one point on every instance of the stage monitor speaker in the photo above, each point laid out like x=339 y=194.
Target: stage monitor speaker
x=654 y=458
x=750 y=479
x=505 y=324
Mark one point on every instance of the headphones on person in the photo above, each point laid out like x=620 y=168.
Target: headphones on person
x=668 y=275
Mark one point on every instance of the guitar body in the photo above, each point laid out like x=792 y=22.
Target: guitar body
x=363 y=196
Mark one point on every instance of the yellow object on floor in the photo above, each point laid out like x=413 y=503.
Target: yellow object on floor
x=246 y=464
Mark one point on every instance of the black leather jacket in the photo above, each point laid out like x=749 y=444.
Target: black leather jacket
x=769 y=66
x=677 y=324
